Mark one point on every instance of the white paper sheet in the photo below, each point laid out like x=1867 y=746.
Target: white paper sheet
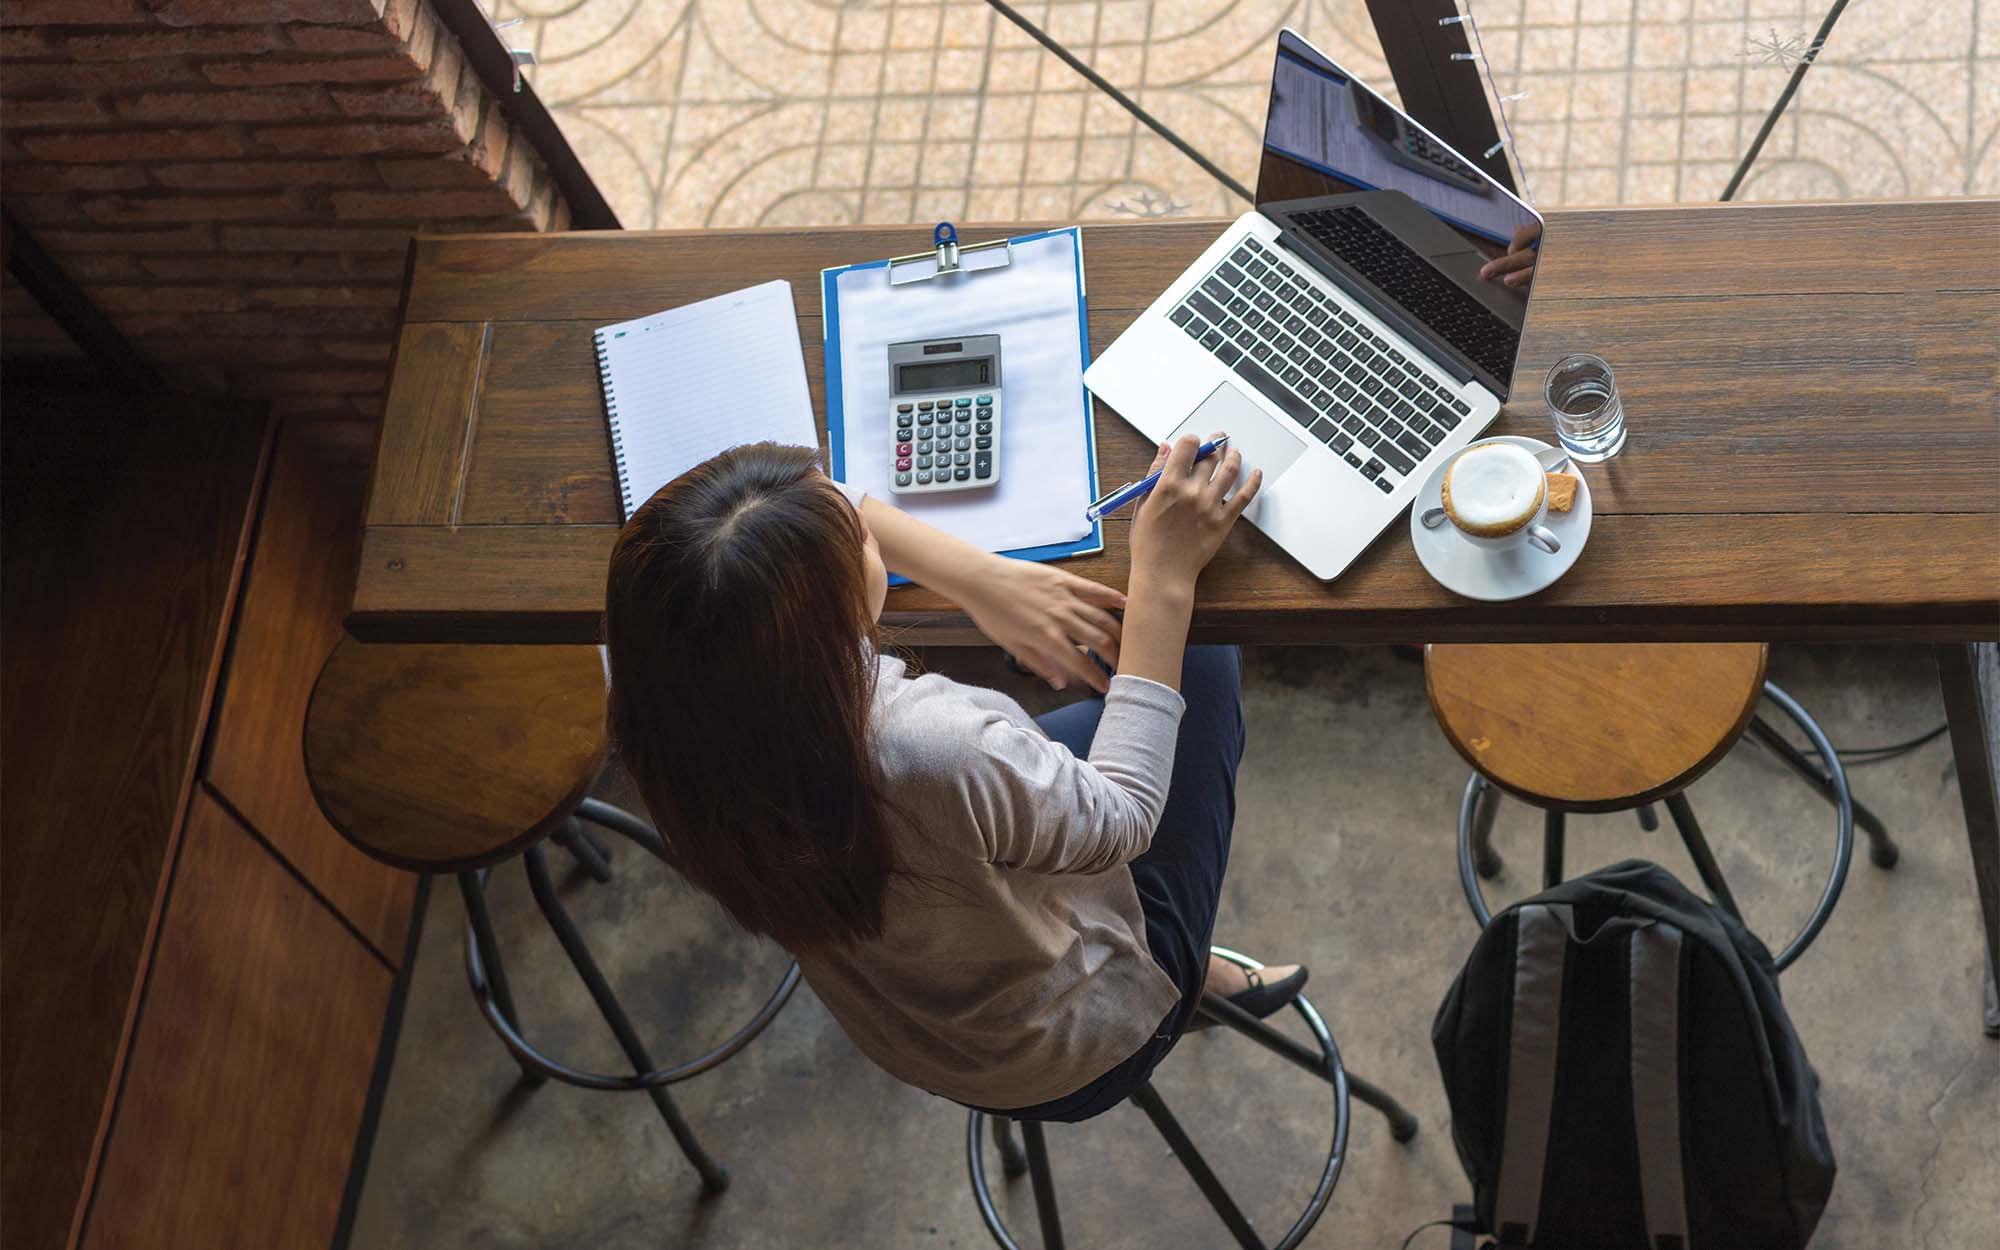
x=1044 y=449
x=682 y=385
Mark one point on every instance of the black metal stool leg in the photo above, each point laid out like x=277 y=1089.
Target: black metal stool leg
x=1485 y=859
x=1045 y=1185
x=1012 y=1161
x=1552 y=850
x=1649 y=817
x=472 y=887
x=1402 y=1125
x=1197 y=1167
x=575 y=839
x=714 y=1177
x=1882 y=849
x=1704 y=859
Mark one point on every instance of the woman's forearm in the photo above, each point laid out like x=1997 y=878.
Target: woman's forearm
x=1157 y=613
x=923 y=553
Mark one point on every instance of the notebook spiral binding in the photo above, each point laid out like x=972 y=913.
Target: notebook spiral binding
x=611 y=420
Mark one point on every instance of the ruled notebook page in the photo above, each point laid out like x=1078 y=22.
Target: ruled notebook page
x=682 y=385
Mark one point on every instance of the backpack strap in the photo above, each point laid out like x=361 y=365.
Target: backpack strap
x=1656 y=1091
x=1541 y=947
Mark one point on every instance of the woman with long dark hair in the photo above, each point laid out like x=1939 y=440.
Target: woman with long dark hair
x=1012 y=913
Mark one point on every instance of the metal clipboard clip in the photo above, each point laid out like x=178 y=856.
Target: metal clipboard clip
x=947 y=257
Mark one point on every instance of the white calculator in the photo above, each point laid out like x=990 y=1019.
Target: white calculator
x=944 y=419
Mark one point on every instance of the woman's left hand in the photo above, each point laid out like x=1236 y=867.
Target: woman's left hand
x=1045 y=617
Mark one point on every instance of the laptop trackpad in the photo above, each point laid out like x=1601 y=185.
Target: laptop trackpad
x=1264 y=443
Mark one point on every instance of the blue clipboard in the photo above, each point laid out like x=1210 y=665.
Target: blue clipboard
x=947 y=255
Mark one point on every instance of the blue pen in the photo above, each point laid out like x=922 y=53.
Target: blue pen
x=1132 y=492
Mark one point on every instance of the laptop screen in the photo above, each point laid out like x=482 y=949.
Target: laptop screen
x=1397 y=211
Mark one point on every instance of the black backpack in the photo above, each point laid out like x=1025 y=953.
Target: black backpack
x=1622 y=1073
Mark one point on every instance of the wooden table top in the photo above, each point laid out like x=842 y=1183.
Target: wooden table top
x=1813 y=394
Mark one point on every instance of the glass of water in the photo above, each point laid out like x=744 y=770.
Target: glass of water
x=1590 y=422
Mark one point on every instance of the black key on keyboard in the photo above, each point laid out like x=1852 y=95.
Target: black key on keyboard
x=1292 y=374
x=1347 y=391
x=1397 y=460
x=1460 y=407
x=1393 y=428
x=1354 y=372
x=1368 y=438
x=1261 y=351
x=1309 y=389
x=1312 y=339
x=1401 y=407
x=1429 y=433
x=1239 y=305
x=1254 y=319
x=1229 y=353
x=1372 y=470
x=1351 y=458
x=1323 y=401
x=1258 y=268
x=1408 y=386
x=1263 y=300
x=1206 y=306
x=1295 y=323
x=1231 y=274
x=1414 y=445
x=1230 y=327
x=1346 y=317
x=1196 y=328
x=1179 y=316
x=1298 y=353
x=1369 y=382
x=1293 y=406
x=1284 y=343
x=1210 y=339
x=1349 y=339
x=1353 y=424
x=1329 y=433
x=1245 y=339
x=1241 y=256
x=1215 y=287
x=1317 y=316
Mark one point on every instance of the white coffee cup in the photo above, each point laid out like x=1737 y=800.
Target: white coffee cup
x=1501 y=497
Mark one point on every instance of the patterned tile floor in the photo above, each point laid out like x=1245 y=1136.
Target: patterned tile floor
x=812 y=112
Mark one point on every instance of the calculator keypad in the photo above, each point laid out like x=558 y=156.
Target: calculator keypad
x=944 y=444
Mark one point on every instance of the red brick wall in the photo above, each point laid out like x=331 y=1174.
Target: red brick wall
x=234 y=182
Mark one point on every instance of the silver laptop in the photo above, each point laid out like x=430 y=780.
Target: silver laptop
x=1341 y=333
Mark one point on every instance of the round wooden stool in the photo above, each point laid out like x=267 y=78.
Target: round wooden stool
x=454 y=758
x=1593 y=727
x=1322 y=1060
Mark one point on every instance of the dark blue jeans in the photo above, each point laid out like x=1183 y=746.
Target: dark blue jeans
x=1180 y=875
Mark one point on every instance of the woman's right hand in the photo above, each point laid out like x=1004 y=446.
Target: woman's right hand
x=1182 y=523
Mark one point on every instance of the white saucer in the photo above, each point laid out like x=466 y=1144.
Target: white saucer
x=1481 y=573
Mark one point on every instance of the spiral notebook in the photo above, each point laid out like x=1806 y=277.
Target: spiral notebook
x=682 y=385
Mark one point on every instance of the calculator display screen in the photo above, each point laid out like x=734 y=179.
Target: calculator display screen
x=945 y=375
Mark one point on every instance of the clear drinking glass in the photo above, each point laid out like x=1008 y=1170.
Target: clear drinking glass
x=1583 y=396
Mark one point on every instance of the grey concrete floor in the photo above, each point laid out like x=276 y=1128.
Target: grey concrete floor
x=1343 y=859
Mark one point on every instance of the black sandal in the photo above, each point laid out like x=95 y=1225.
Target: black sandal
x=1262 y=1000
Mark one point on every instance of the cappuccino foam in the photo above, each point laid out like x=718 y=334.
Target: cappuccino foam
x=1493 y=490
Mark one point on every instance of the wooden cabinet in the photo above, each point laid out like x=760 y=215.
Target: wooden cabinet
x=198 y=968
x=251 y=1062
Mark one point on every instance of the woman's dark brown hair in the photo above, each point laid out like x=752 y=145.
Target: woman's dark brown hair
x=741 y=679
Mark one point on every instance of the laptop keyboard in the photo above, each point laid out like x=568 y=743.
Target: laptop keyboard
x=1439 y=303
x=1346 y=385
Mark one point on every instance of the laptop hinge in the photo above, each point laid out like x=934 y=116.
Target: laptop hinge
x=1442 y=354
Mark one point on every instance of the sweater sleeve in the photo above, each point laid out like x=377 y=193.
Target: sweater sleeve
x=1042 y=809
x=854 y=493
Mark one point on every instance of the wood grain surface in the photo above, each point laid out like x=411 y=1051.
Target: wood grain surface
x=439 y=757
x=250 y=1064
x=1593 y=726
x=1815 y=446
x=126 y=520
x=301 y=572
